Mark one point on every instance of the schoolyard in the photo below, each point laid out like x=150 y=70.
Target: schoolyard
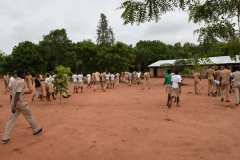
x=127 y=123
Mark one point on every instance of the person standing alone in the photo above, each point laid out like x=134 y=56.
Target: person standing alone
x=20 y=106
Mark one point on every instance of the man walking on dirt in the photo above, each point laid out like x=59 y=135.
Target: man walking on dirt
x=19 y=105
x=210 y=77
x=236 y=85
x=197 y=79
x=225 y=75
x=176 y=85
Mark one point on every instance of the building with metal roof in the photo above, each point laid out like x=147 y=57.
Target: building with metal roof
x=158 y=67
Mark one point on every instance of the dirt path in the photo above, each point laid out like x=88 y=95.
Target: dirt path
x=127 y=124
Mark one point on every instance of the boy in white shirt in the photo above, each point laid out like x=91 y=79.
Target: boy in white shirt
x=88 y=80
x=80 y=81
x=176 y=82
x=11 y=85
x=112 y=80
x=108 y=76
x=75 y=80
x=139 y=78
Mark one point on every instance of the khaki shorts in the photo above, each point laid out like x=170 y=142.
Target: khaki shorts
x=168 y=89
x=175 y=92
x=75 y=84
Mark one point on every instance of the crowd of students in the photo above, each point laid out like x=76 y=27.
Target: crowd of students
x=43 y=86
x=20 y=84
x=221 y=82
x=106 y=80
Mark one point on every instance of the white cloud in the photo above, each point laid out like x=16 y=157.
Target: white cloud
x=31 y=19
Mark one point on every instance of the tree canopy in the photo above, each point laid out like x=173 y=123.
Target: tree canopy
x=105 y=35
x=220 y=19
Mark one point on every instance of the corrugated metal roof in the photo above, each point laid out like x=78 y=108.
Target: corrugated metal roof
x=210 y=60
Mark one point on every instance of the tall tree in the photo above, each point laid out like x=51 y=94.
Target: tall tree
x=26 y=56
x=136 y=11
x=218 y=16
x=57 y=50
x=105 y=35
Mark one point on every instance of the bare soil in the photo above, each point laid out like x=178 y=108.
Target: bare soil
x=127 y=123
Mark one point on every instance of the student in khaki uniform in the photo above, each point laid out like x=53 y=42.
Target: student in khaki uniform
x=236 y=85
x=19 y=105
x=103 y=81
x=197 y=79
x=217 y=81
x=117 y=75
x=93 y=81
x=146 y=78
x=97 y=80
x=225 y=75
x=210 y=77
x=129 y=78
x=108 y=76
x=29 y=81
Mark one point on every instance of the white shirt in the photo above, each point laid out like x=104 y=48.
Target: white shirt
x=88 y=77
x=112 y=77
x=80 y=78
x=74 y=77
x=108 y=76
x=47 y=80
x=138 y=74
x=11 y=84
x=176 y=79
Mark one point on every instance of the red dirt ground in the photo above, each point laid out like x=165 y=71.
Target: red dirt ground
x=127 y=123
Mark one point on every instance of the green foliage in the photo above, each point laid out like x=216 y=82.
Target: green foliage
x=2 y=61
x=218 y=16
x=136 y=11
x=61 y=80
x=105 y=35
x=24 y=57
x=56 y=49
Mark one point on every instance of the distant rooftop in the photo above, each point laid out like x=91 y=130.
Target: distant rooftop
x=211 y=60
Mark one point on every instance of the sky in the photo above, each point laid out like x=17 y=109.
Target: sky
x=29 y=20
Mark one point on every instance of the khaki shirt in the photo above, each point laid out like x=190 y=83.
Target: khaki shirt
x=217 y=75
x=196 y=76
x=225 y=75
x=103 y=76
x=210 y=74
x=29 y=81
x=97 y=76
x=146 y=75
x=19 y=87
x=236 y=78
